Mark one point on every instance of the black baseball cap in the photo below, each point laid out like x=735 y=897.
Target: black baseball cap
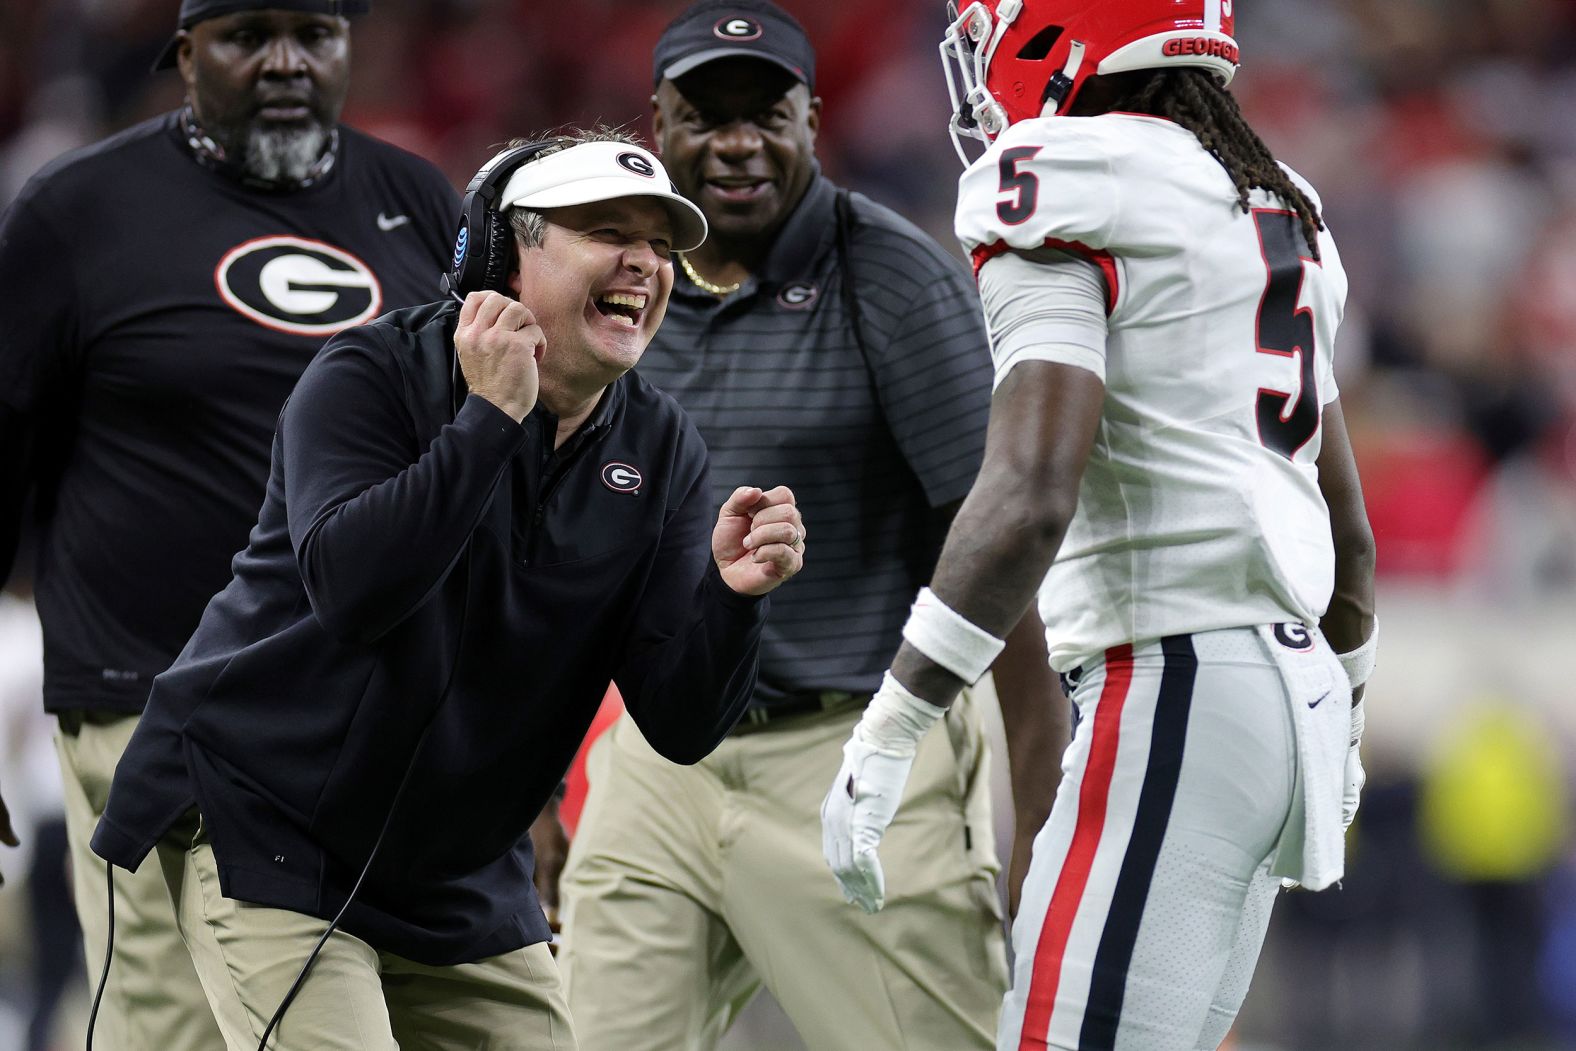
x=194 y=11
x=714 y=29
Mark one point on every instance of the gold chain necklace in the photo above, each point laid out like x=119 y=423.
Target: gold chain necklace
x=704 y=285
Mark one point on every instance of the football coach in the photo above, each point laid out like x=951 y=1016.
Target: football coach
x=476 y=517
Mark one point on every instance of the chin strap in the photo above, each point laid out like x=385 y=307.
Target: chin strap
x=1061 y=85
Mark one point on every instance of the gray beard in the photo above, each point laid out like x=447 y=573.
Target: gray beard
x=283 y=154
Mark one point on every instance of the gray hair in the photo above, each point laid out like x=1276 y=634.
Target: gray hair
x=530 y=226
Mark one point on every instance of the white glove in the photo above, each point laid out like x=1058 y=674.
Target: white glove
x=864 y=797
x=1356 y=777
x=855 y=816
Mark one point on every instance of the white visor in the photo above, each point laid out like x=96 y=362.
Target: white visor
x=603 y=171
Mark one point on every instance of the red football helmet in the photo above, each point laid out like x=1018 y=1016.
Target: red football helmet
x=1010 y=60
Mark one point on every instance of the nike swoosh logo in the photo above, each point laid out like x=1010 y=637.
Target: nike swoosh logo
x=1322 y=696
x=391 y=222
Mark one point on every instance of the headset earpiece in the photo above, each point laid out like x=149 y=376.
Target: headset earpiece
x=498 y=252
x=484 y=243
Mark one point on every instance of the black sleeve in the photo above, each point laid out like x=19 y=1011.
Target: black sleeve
x=376 y=526
x=38 y=332
x=690 y=668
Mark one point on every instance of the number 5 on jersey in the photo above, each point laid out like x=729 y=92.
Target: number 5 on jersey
x=1024 y=186
x=1286 y=423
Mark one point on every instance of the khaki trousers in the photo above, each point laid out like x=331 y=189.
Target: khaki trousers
x=688 y=887
x=356 y=998
x=152 y=1001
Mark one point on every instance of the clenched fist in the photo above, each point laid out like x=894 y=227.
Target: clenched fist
x=500 y=344
x=759 y=539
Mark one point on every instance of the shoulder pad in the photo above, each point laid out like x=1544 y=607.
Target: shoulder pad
x=1043 y=181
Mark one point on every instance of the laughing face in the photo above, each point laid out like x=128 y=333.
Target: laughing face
x=598 y=285
x=737 y=135
x=268 y=86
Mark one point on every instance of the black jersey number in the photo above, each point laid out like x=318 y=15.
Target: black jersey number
x=1286 y=330
x=1024 y=186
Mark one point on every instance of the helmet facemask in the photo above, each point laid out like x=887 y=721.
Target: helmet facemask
x=967 y=47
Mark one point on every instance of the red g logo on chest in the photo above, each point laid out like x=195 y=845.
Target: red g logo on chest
x=621 y=477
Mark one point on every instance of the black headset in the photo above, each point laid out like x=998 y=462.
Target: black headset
x=484 y=244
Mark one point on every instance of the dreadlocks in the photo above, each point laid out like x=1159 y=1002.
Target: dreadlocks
x=1192 y=99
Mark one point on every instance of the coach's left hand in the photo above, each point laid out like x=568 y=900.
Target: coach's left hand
x=759 y=539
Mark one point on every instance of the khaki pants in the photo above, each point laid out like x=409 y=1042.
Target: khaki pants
x=152 y=1001
x=356 y=998
x=688 y=887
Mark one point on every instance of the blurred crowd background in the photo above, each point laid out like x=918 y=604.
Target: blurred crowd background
x=1442 y=137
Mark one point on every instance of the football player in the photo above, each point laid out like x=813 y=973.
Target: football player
x=1167 y=462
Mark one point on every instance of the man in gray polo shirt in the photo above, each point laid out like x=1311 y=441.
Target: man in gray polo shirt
x=853 y=344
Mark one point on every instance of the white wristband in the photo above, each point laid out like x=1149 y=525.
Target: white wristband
x=1359 y=663
x=950 y=639
x=895 y=719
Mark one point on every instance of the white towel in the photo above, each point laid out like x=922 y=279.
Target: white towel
x=1312 y=849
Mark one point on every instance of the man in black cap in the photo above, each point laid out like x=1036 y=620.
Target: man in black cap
x=164 y=290
x=830 y=323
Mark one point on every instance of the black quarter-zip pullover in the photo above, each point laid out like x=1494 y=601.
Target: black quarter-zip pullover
x=436 y=599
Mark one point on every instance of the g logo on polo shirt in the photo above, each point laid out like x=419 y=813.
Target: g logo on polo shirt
x=621 y=477
x=297 y=285
x=799 y=295
x=636 y=163
x=738 y=29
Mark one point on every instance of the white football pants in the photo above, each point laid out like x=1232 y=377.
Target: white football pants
x=1148 y=896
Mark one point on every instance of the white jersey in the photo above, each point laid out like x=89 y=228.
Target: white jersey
x=1199 y=507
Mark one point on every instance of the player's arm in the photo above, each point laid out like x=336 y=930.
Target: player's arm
x=938 y=382
x=1349 y=624
x=1044 y=417
x=1036 y=722
x=1048 y=328
x=1350 y=619
x=1046 y=314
